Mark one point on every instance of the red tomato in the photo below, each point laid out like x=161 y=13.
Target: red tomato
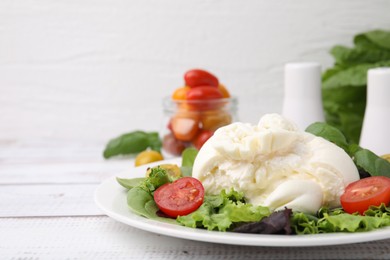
x=201 y=138
x=360 y=195
x=204 y=98
x=196 y=78
x=179 y=198
x=204 y=93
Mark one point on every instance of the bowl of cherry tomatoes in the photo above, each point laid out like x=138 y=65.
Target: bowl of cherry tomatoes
x=194 y=111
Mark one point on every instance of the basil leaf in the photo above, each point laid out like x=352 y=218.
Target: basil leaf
x=132 y=143
x=371 y=163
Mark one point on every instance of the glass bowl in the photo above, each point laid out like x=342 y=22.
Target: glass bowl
x=189 y=123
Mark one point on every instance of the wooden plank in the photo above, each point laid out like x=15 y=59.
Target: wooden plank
x=49 y=150
x=47 y=200
x=62 y=172
x=103 y=238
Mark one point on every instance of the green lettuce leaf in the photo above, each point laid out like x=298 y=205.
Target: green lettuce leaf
x=344 y=85
x=338 y=221
x=220 y=212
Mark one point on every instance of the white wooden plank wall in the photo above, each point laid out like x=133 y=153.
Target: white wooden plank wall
x=88 y=70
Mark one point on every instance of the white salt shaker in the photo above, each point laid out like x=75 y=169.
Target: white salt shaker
x=375 y=134
x=302 y=102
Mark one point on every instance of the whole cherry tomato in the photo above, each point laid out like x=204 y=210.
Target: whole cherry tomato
x=224 y=91
x=180 y=93
x=180 y=197
x=197 y=77
x=185 y=126
x=203 y=98
x=213 y=119
x=360 y=195
x=147 y=156
x=201 y=138
x=204 y=93
x=172 y=145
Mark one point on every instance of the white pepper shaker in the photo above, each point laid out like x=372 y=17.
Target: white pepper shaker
x=302 y=102
x=375 y=134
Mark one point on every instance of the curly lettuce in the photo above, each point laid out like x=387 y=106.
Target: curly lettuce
x=221 y=212
x=331 y=221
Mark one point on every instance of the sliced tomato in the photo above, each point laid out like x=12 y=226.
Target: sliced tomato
x=360 y=195
x=180 y=197
x=201 y=138
x=197 y=77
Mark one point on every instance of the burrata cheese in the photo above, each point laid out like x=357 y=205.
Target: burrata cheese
x=276 y=165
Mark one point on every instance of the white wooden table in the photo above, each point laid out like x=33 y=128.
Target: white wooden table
x=47 y=212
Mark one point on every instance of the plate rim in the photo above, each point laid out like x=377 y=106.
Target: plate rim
x=231 y=238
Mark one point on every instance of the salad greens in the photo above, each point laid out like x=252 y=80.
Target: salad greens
x=328 y=221
x=344 y=85
x=188 y=158
x=220 y=212
x=277 y=223
x=140 y=193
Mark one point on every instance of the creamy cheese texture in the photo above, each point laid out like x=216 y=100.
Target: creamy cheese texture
x=276 y=165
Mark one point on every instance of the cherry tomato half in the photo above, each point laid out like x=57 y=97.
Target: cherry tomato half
x=360 y=195
x=197 y=77
x=180 y=197
x=201 y=138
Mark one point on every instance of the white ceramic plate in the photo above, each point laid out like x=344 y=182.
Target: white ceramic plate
x=111 y=199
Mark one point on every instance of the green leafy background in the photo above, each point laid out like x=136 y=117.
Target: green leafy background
x=344 y=85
